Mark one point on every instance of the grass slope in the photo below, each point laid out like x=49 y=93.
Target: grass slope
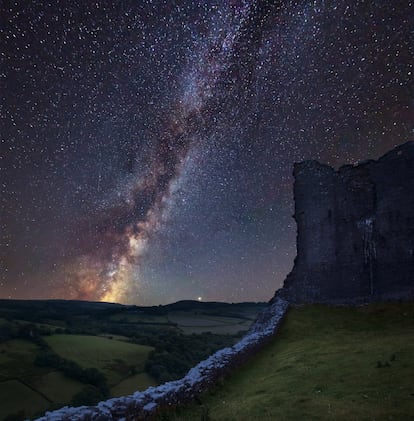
x=326 y=363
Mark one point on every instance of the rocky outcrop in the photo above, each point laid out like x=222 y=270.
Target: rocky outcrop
x=355 y=231
x=145 y=405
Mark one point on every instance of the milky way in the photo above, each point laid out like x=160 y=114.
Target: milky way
x=148 y=147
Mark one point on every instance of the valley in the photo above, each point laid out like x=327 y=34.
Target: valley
x=56 y=353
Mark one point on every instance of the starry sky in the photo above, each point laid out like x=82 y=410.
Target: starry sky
x=147 y=146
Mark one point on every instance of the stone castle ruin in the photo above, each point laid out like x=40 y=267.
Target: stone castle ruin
x=355 y=231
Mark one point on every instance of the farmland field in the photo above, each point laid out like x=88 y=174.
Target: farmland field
x=25 y=386
x=131 y=384
x=195 y=323
x=139 y=318
x=16 y=360
x=47 y=348
x=57 y=387
x=17 y=397
x=114 y=358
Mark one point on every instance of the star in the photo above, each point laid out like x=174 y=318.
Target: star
x=147 y=147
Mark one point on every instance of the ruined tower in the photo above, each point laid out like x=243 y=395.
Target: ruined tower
x=355 y=231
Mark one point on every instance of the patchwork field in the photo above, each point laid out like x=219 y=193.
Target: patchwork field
x=196 y=323
x=326 y=363
x=114 y=358
x=57 y=387
x=16 y=360
x=15 y=397
x=27 y=389
x=140 y=318
x=48 y=348
x=131 y=384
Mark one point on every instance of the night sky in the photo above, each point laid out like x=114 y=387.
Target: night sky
x=147 y=146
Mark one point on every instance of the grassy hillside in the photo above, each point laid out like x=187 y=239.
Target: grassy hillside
x=326 y=363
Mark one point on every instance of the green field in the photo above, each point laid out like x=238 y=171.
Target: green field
x=139 y=318
x=114 y=358
x=195 y=323
x=131 y=384
x=17 y=397
x=16 y=360
x=26 y=387
x=222 y=319
x=55 y=352
x=57 y=387
x=326 y=363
